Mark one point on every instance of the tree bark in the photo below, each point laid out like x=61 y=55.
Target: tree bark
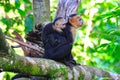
x=9 y=61
x=41 y=9
x=67 y=7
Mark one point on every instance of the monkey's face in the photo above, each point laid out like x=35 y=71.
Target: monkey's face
x=60 y=24
x=79 y=22
x=76 y=21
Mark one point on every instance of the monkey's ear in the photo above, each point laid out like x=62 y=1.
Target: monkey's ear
x=71 y=20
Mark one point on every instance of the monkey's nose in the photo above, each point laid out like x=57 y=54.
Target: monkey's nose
x=82 y=21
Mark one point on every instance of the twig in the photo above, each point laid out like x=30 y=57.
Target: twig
x=24 y=44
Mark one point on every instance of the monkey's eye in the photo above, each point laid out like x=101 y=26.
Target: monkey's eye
x=63 y=24
x=80 y=19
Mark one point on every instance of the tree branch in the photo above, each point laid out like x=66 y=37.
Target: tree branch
x=24 y=44
x=40 y=66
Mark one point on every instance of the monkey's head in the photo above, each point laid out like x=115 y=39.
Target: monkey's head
x=75 y=20
x=59 y=24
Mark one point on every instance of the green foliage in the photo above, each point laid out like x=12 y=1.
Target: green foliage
x=53 y=8
x=8 y=75
x=109 y=14
x=15 y=16
x=28 y=23
x=99 y=41
x=98 y=44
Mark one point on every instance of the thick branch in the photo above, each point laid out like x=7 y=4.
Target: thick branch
x=39 y=66
x=30 y=66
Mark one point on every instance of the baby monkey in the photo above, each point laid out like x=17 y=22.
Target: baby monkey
x=59 y=24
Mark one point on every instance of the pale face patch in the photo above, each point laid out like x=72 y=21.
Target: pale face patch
x=60 y=24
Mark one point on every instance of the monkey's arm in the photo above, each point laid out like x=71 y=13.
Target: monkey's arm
x=52 y=40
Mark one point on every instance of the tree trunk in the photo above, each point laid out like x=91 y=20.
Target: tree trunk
x=41 y=9
x=67 y=7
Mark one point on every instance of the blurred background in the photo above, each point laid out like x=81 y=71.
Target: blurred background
x=97 y=42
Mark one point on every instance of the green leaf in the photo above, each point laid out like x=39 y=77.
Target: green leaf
x=115 y=12
x=115 y=32
x=27 y=1
x=81 y=11
x=28 y=23
x=17 y=3
x=7 y=7
x=7 y=76
x=103 y=45
x=4 y=20
x=21 y=12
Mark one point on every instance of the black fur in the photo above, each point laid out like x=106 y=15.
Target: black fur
x=20 y=76
x=58 y=45
x=17 y=76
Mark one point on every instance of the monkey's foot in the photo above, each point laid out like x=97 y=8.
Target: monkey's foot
x=74 y=62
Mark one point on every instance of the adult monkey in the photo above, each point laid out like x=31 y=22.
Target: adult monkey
x=74 y=22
